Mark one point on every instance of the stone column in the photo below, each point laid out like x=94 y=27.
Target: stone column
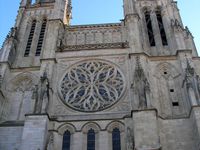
x=103 y=143
x=78 y=141
x=132 y=23
x=35 y=132
x=191 y=94
x=195 y=119
x=146 y=130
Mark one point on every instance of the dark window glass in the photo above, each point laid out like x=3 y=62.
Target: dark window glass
x=91 y=140
x=66 y=141
x=162 y=29
x=149 y=29
x=41 y=38
x=30 y=39
x=116 y=141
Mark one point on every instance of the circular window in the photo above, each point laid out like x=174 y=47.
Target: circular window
x=92 y=85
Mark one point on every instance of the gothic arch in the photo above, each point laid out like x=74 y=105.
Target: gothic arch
x=115 y=124
x=64 y=127
x=90 y=125
x=170 y=95
x=164 y=69
x=22 y=82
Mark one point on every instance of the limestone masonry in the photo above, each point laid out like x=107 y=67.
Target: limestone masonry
x=132 y=85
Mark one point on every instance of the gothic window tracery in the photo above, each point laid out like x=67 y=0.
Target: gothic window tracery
x=149 y=28
x=30 y=39
x=92 y=85
x=41 y=38
x=161 y=28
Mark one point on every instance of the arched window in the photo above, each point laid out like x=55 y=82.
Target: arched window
x=116 y=140
x=66 y=140
x=149 y=28
x=30 y=39
x=161 y=27
x=91 y=140
x=41 y=38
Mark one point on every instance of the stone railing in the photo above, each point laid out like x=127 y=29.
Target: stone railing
x=103 y=36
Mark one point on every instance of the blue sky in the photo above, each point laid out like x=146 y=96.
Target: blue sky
x=102 y=11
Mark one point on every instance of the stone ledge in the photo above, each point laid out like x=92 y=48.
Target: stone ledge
x=12 y=123
x=94 y=46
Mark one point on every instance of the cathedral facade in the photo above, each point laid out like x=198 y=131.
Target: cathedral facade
x=132 y=85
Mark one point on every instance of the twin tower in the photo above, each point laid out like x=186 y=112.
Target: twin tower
x=132 y=85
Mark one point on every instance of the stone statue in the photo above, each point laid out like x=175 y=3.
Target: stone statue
x=41 y=95
x=12 y=33
x=130 y=139
x=141 y=85
x=198 y=83
x=189 y=81
x=50 y=141
x=1 y=81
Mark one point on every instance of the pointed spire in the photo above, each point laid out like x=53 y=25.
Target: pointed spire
x=69 y=12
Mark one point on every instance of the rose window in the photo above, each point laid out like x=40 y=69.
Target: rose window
x=92 y=85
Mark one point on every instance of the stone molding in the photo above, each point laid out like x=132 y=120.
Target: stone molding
x=95 y=46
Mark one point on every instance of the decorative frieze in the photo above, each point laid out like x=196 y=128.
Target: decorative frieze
x=105 y=36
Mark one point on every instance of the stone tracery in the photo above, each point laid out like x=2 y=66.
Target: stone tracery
x=92 y=85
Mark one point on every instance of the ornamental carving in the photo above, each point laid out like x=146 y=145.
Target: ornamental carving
x=92 y=85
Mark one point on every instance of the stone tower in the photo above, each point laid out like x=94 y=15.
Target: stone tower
x=132 y=85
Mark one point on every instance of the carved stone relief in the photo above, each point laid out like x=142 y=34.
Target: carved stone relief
x=21 y=88
x=92 y=85
x=93 y=37
x=192 y=84
x=141 y=87
x=169 y=90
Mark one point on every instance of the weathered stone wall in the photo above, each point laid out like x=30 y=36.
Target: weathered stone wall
x=10 y=138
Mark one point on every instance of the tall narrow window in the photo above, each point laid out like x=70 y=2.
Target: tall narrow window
x=30 y=39
x=116 y=141
x=66 y=140
x=41 y=38
x=149 y=28
x=161 y=27
x=91 y=140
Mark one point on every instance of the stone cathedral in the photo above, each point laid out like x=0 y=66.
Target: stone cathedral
x=131 y=85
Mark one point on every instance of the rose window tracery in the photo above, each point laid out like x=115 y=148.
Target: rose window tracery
x=92 y=85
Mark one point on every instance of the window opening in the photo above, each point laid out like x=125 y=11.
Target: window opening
x=175 y=103
x=30 y=39
x=162 y=29
x=91 y=140
x=41 y=38
x=116 y=141
x=171 y=90
x=149 y=28
x=66 y=140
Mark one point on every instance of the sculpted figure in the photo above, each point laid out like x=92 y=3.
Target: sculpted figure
x=141 y=86
x=1 y=81
x=130 y=139
x=41 y=95
x=198 y=83
x=50 y=141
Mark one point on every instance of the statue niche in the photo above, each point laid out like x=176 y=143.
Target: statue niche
x=130 y=142
x=170 y=94
x=141 y=86
x=41 y=95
